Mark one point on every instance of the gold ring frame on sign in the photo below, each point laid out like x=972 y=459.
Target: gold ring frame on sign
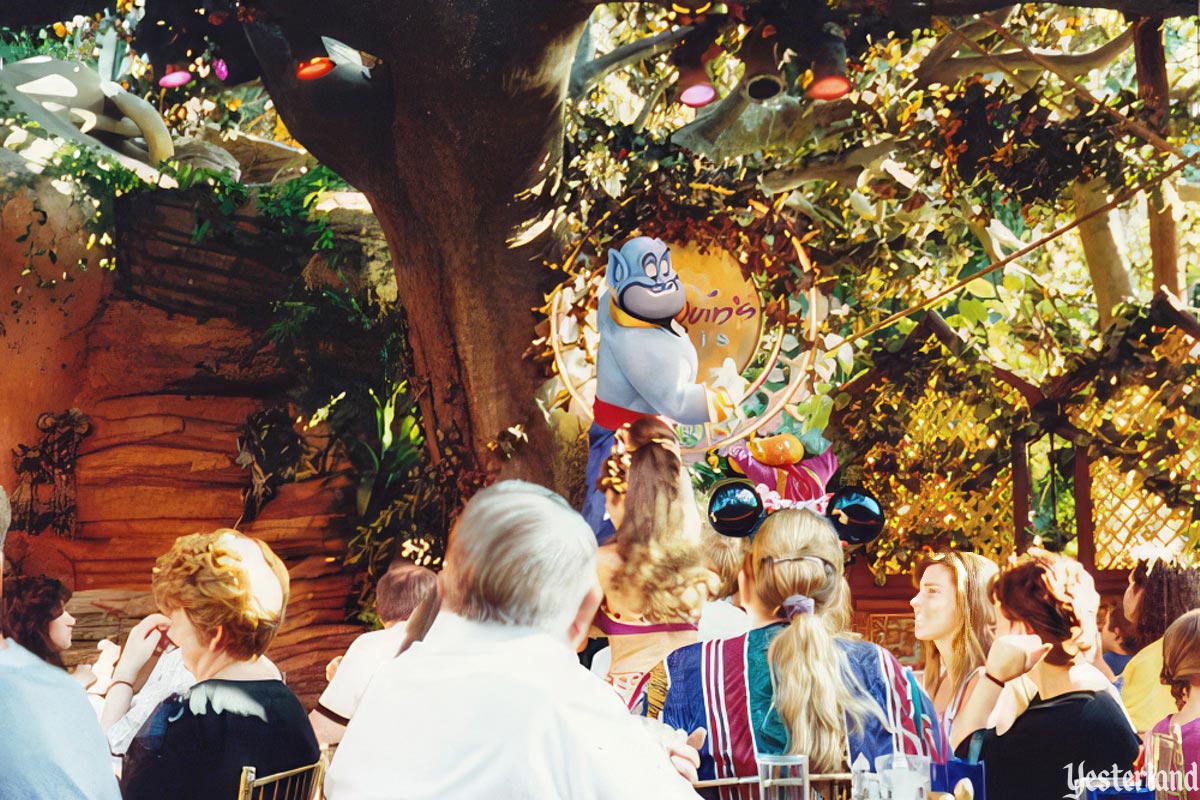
x=778 y=404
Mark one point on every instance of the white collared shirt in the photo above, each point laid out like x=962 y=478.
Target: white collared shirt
x=499 y=712
x=366 y=655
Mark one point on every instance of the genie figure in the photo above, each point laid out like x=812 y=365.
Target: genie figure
x=646 y=364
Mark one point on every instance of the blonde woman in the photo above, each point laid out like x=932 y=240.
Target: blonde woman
x=791 y=685
x=955 y=622
x=652 y=571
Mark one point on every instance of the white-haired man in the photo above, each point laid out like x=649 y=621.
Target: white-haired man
x=51 y=745
x=494 y=703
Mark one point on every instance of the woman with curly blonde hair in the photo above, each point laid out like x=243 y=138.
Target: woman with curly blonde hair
x=792 y=685
x=652 y=571
x=223 y=597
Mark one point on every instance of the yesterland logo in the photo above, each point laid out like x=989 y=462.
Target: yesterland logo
x=1079 y=780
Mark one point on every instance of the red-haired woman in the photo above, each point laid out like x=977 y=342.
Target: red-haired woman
x=1073 y=725
x=223 y=595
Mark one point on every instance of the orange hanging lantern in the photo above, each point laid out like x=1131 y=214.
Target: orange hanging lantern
x=313 y=68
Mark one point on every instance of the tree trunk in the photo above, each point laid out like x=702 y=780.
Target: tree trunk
x=1153 y=88
x=1110 y=277
x=454 y=154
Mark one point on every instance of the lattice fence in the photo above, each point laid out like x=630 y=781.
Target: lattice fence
x=941 y=437
x=1141 y=412
x=928 y=431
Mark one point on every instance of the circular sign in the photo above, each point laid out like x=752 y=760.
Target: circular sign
x=723 y=315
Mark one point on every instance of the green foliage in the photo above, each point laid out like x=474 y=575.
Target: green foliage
x=348 y=360
x=291 y=204
x=275 y=454
x=1012 y=143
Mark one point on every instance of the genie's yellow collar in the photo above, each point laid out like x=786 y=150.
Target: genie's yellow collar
x=627 y=320
x=624 y=318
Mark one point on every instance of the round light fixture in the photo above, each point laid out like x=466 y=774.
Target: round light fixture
x=830 y=87
x=698 y=95
x=313 y=68
x=175 y=77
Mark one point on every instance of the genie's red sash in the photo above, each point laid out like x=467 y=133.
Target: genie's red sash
x=606 y=415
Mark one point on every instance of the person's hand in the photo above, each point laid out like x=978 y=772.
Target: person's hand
x=1013 y=655
x=332 y=667
x=682 y=748
x=106 y=662
x=686 y=760
x=146 y=640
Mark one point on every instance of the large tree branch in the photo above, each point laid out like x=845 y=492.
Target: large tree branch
x=952 y=70
x=1154 y=89
x=1110 y=277
x=845 y=168
x=1165 y=9
x=585 y=75
x=948 y=46
x=341 y=118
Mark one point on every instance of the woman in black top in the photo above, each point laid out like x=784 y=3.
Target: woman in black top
x=224 y=594
x=1074 y=732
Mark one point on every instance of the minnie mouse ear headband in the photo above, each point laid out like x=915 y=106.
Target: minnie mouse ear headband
x=736 y=507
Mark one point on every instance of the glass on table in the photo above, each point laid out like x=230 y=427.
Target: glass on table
x=904 y=777
x=783 y=777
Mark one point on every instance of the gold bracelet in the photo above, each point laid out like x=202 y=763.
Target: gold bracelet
x=111 y=684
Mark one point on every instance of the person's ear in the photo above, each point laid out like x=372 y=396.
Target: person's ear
x=218 y=639
x=586 y=612
x=743 y=582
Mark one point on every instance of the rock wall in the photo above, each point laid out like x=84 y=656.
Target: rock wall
x=167 y=369
x=41 y=329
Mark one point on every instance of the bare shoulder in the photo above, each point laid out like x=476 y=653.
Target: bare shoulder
x=608 y=563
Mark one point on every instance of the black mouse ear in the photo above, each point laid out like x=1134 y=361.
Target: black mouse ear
x=735 y=508
x=856 y=514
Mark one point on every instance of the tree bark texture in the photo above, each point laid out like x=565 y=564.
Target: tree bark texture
x=1153 y=88
x=454 y=139
x=1110 y=276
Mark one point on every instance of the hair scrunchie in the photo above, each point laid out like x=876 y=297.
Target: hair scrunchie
x=798 y=604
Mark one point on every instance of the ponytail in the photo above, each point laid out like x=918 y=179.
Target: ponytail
x=796 y=561
x=811 y=675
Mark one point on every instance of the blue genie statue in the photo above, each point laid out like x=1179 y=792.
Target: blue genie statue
x=646 y=365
